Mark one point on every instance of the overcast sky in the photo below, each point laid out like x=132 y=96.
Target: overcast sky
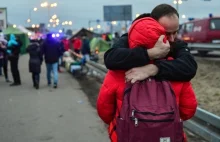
x=80 y=11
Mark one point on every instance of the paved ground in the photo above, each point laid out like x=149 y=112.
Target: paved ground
x=62 y=115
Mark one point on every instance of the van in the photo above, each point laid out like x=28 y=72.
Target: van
x=201 y=31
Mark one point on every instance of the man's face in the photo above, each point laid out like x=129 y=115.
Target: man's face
x=171 y=25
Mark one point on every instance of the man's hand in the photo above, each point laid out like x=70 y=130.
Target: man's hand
x=141 y=73
x=160 y=49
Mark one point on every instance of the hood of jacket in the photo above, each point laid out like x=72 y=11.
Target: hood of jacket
x=145 y=32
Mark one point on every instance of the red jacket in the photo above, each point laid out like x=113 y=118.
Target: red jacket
x=111 y=93
x=66 y=44
x=77 y=44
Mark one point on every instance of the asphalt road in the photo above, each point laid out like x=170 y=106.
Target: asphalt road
x=61 y=115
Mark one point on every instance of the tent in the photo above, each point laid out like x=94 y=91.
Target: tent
x=21 y=35
x=85 y=32
x=99 y=44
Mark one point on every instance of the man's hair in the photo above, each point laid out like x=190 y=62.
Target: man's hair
x=142 y=16
x=163 y=10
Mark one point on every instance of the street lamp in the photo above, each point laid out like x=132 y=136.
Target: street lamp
x=46 y=4
x=137 y=15
x=177 y=3
x=183 y=16
x=114 y=22
x=14 y=26
x=98 y=26
x=30 y=14
x=70 y=22
x=54 y=16
x=33 y=26
x=91 y=29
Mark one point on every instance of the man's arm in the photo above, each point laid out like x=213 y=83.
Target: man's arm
x=120 y=57
x=182 y=68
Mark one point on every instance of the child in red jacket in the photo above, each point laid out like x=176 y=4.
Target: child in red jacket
x=144 y=32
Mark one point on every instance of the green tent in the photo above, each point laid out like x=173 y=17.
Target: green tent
x=21 y=35
x=100 y=44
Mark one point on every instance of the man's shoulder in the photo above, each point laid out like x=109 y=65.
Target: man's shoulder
x=179 y=42
x=124 y=36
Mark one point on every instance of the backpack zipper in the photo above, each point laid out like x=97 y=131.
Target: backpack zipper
x=137 y=120
x=150 y=113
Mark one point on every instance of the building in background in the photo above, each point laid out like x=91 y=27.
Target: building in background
x=3 y=18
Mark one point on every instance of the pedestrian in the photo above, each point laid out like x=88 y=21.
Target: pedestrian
x=35 y=62
x=13 y=51
x=62 y=50
x=85 y=50
x=1 y=60
x=77 y=44
x=51 y=51
x=3 y=51
x=116 y=37
x=112 y=90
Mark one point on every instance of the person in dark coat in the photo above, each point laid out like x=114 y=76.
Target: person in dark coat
x=35 y=62
x=86 y=48
x=51 y=50
x=3 y=50
x=13 y=50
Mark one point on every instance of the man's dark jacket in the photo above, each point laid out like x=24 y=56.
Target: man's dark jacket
x=51 y=49
x=182 y=68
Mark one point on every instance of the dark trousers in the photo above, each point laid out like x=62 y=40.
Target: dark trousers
x=14 y=70
x=36 y=78
x=5 y=67
x=1 y=65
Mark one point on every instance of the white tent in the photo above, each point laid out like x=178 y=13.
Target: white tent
x=28 y=32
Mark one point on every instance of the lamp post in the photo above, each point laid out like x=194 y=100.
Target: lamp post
x=30 y=14
x=48 y=6
x=177 y=3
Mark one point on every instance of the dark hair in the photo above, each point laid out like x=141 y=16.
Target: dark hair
x=142 y=16
x=163 y=10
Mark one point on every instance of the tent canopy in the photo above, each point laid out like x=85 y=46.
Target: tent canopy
x=24 y=30
x=12 y=30
x=99 y=44
x=21 y=35
x=85 y=32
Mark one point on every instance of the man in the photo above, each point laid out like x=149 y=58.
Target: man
x=183 y=68
x=52 y=51
x=85 y=48
x=3 y=50
x=13 y=49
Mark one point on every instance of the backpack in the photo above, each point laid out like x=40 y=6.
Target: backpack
x=149 y=113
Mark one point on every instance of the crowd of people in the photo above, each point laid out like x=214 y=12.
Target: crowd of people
x=148 y=62
x=50 y=50
x=9 y=51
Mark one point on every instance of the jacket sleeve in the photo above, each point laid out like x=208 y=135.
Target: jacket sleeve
x=187 y=102
x=106 y=103
x=182 y=68
x=120 y=57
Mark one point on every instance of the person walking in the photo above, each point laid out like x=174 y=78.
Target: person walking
x=35 y=62
x=13 y=50
x=51 y=51
x=3 y=51
x=85 y=51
